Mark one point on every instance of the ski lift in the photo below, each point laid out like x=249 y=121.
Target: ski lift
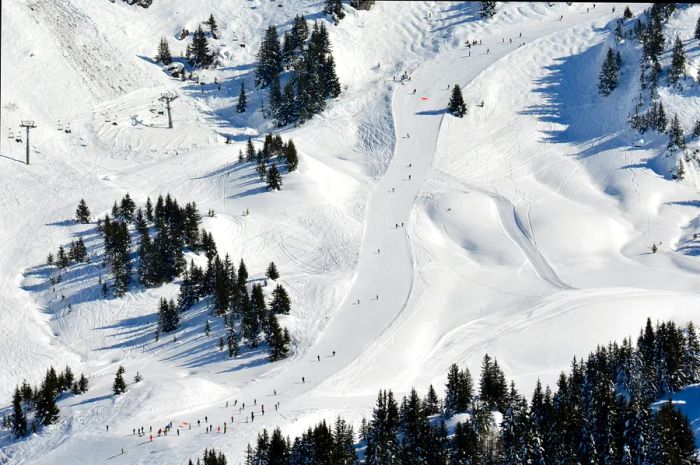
x=153 y=108
x=67 y=128
x=10 y=135
x=59 y=126
x=18 y=138
x=114 y=122
x=161 y=111
x=107 y=120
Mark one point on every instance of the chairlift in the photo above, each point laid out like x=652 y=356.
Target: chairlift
x=114 y=122
x=18 y=138
x=59 y=126
x=10 y=135
x=153 y=109
x=161 y=111
x=67 y=129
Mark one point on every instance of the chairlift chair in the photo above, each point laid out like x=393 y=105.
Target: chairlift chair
x=10 y=135
x=59 y=126
x=67 y=128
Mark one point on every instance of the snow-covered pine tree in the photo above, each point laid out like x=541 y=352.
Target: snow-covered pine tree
x=676 y=136
x=456 y=106
x=119 y=385
x=608 y=74
x=82 y=213
x=249 y=150
x=242 y=100
x=487 y=9
x=232 y=341
x=697 y=29
x=269 y=58
x=677 y=70
x=275 y=101
x=273 y=178
x=334 y=8
x=163 y=55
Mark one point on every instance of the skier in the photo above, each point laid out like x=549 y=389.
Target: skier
x=318 y=357
x=487 y=51
x=408 y=136
x=377 y=298
x=122 y=451
x=409 y=177
x=206 y=420
x=178 y=431
x=252 y=416
x=198 y=423
x=393 y=189
x=274 y=391
x=334 y=353
x=226 y=404
x=414 y=91
x=235 y=402
x=107 y=426
x=150 y=438
x=377 y=250
x=255 y=401
x=302 y=378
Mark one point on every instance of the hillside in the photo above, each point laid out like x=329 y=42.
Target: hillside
x=408 y=239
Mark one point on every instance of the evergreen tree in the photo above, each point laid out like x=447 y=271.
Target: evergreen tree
x=335 y=9
x=242 y=100
x=83 y=384
x=674 y=441
x=676 y=136
x=269 y=58
x=627 y=13
x=275 y=102
x=46 y=409
x=290 y=154
x=431 y=403
x=697 y=29
x=273 y=178
x=457 y=107
x=280 y=301
x=168 y=316
x=18 y=420
x=119 y=385
x=211 y=22
x=272 y=271
x=278 y=340
x=608 y=74
x=250 y=150
x=163 y=55
x=200 y=54
x=487 y=9
x=63 y=261
x=82 y=213
x=232 y=341
x=677 y=62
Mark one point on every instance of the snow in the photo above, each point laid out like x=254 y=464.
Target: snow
x=523 y=231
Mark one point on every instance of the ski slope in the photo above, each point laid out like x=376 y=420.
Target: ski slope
x=408 y=239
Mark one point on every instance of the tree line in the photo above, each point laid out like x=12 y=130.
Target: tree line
x=602 y=411
x=35 y=407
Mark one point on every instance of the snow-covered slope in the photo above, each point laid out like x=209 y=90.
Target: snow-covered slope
x=522 y=230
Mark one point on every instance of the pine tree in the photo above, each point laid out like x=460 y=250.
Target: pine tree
x=608 y=74
x=46 y=409
x=487 y=9
x=675 y=441
x=18 y=419
x=63 y=261
x=676 y=136
x=677 y=62
x=163 y=55
x=280 y=301
x=200 y=54
x=250 y=150
x=242 y=100
x=83 y=384
x=275 y=102
x=457 y=107
x=119 y=386
x=278 y=340
x=335 y=9
x=431 y=403
x=272 y=271
x=290 y=154
x=697 y=29
x=82 y=213
x=232 y=341
x=168 y=316
x=269 y=58
x=627 y=13
x=211 y=22
x=273 y=178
